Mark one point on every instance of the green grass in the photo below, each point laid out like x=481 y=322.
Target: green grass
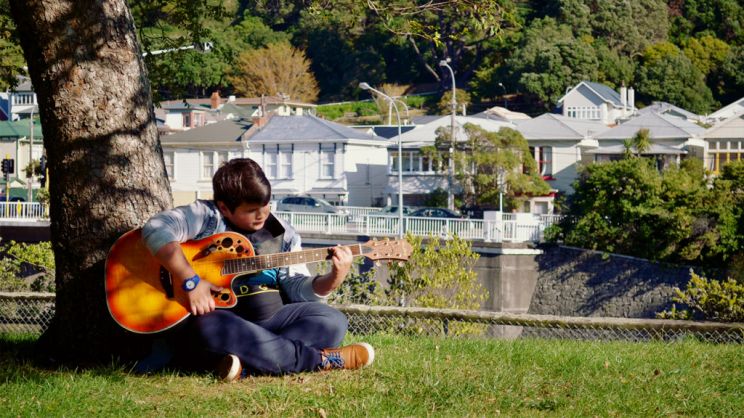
x=411 y=377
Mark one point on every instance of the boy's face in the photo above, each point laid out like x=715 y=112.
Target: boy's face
x=247 y=216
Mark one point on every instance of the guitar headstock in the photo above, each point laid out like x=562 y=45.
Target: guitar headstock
x=388 y=250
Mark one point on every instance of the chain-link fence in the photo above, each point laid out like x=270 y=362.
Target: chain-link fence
x=32 y=313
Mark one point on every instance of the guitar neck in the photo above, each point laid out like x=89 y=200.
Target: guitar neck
x=278 y=260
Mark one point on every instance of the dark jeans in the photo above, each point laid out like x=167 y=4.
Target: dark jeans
x=288 y=342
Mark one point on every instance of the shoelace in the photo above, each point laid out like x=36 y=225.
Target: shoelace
x=333 y=359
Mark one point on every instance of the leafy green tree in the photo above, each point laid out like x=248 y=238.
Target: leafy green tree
x=462 y=98
x=724 y=18
x=729 y=79
x=12 y=62
x=706 y=53
x=455 y=29
x=551 y=59
x=439 y=274
x=667 y=74
x=630 y=26
x=629 y=207
x=488 y=164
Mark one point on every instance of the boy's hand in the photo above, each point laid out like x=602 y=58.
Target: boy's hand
x=341 y=258
x=200 y=300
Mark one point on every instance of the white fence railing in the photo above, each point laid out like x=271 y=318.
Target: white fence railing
x=23 y=211
x=369 y=221
x=509 y=228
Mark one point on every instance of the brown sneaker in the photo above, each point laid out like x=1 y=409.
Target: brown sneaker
x=229 y=369
x=353 y=356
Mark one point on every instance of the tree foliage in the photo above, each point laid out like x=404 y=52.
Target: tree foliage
x=667 y=74
x=675 y=216
x=277 y=69
x=711 y=300
x=488 y=164
x=439 y=274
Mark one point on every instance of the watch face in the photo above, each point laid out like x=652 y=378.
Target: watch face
x=189 y=284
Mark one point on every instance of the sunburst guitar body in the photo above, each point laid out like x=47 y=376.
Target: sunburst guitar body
x=139 y=291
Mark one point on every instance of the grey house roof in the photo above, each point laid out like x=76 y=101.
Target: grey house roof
x=604 y=92
x=659 y=126
x=553 y=126
x=225 y=131
x=298 y=128
x=654 y=149
x=668 y=109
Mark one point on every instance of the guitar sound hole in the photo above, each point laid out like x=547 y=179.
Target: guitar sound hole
x=225 y=297
x=227 y=242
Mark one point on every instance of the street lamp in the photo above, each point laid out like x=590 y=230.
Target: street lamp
x=453 y=103
x=365 y=86
x=504 y=88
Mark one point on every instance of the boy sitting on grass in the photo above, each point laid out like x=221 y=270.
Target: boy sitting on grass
x=279 y=324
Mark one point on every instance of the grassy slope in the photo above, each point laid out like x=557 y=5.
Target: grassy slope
x=412 y=377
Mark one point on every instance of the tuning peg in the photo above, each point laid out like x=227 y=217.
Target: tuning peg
x=377 y=264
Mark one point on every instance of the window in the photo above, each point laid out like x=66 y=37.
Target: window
x=207 y=159
x=413 y=162
x=544 y=158
x=271 y=164
x=285 y=161
x=211 y=161
x=327 y=164
x=724 y=152
x=545 y=161
x=168 y=158
x=584 y=112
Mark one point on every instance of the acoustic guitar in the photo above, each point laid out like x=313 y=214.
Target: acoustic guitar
x=139 y=291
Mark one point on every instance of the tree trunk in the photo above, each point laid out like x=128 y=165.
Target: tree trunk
x=105 y=162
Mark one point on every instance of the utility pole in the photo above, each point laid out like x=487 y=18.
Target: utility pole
x=453 y=104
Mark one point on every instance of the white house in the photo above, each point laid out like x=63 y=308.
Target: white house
x=725 y=143
x=420 y=176
x=557 y=143
x=303 y=154
x=192 y=156
x=672 y=138
x=20 y=102
x=595 y=101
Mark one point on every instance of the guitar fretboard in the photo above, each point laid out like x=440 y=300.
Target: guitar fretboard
x=270 y=261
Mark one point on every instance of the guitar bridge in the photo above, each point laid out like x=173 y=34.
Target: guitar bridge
x=167 y=282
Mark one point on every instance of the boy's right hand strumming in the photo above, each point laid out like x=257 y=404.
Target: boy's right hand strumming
x=189 y=290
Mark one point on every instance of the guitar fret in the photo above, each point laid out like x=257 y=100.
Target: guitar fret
x=269 y=261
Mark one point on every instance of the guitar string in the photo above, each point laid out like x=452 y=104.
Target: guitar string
x=280 y=258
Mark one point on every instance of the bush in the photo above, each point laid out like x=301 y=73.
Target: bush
x=713 y=300
x=27 y=267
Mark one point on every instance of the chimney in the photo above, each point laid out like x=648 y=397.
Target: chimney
x=214 y=99
x=624 y=98
x=631 y=99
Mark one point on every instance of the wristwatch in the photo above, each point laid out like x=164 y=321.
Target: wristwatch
x=190 y=283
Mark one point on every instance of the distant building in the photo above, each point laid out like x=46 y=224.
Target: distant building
x=725 y=143
x=672 y=139
x=598 y=102
x=558 y=144
x=727 y=112
x=19 y=102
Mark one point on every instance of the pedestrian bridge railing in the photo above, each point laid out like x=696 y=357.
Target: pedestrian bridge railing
x=506 y=229
x=23 y=211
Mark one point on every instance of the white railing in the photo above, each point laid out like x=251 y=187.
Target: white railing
x=367 y=221
x=510 y=229
x=23 y=211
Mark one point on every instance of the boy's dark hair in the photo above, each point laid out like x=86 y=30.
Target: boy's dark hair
x=239 y=181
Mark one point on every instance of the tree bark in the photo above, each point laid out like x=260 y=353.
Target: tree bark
x=105 y=163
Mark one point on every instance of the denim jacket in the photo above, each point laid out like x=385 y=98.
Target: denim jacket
x=202 y=219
